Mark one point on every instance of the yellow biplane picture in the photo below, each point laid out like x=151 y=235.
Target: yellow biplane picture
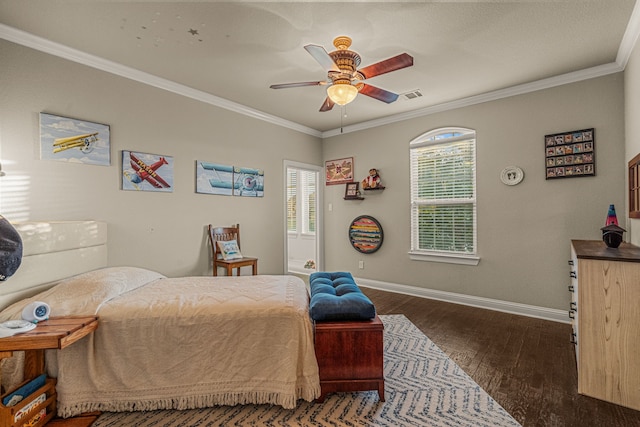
x=84 y=142
x=74 y=140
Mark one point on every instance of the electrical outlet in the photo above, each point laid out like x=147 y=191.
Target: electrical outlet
x=361 y=265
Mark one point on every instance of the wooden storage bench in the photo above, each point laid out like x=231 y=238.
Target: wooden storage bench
x=350 y=356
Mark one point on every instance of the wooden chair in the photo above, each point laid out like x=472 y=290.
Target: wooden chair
x=217 y=234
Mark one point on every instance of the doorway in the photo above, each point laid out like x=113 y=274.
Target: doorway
x=303 y=218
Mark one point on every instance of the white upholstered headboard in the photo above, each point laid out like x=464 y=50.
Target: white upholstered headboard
x=52 y=251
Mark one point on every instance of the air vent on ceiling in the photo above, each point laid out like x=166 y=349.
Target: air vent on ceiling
x=411 y=95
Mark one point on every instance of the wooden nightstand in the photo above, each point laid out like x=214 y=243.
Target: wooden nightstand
x=55 y=333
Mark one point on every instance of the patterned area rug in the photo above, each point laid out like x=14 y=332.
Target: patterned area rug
x=423 y=388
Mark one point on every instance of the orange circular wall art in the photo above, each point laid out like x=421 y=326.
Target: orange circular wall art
x=365 y=234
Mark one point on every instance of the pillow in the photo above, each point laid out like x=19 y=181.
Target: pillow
x=85 y=293
x=229 y=250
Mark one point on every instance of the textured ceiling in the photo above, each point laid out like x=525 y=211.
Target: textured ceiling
x=236 y=50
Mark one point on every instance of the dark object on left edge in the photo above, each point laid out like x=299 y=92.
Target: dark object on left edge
x=10 y=249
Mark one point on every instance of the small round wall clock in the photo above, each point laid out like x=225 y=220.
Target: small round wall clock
x=511 y=175
x=365 y=234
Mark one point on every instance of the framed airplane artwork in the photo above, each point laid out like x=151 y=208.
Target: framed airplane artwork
x=74 y=140
x=146 y=172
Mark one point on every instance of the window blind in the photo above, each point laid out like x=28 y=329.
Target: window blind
x=308 y=183
x=292 y=189
x=443 y=193
x=301 y=201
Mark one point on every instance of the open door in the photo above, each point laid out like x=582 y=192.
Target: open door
x=303 y=218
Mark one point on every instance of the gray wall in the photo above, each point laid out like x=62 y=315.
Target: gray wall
x=524 y=230
x=160 y=231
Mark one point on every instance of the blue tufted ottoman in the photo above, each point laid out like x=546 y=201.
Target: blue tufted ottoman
x=348 y=335
x=335 y=296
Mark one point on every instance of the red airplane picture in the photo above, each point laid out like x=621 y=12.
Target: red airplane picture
x=146 y=172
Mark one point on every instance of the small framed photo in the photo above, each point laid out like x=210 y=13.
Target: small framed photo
x=351 y=190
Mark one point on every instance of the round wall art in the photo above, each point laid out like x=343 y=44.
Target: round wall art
x=511 y=175
x=365 y=234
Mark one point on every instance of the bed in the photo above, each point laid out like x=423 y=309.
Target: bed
x=177 y=343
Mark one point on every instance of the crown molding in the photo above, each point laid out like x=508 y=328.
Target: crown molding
x=38 y=43
x=563 y=79
x=627 y=44
x=630 y=37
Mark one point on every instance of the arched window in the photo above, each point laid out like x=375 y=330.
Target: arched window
x=443 y=196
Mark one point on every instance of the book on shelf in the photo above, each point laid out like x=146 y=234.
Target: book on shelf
x=37 y=416
x=27 y=389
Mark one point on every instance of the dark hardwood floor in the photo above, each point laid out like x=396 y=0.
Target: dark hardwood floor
x=527 y=365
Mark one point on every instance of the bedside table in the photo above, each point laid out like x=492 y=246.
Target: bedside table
x=55 y=333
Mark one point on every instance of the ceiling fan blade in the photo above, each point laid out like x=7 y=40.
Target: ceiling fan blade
x=300 y=84
x=327 y=105
x=397 y=62
x=379 y=94
x=320 y=54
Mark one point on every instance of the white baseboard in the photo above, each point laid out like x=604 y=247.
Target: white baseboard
x=480 y=302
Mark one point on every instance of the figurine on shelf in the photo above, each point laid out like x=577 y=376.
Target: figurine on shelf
x=372 y=181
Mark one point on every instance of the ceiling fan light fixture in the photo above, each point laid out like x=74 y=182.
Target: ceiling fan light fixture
x=342 y=93
x=345 y=79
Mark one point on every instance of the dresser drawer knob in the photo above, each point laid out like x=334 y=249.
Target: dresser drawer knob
x=574 y=338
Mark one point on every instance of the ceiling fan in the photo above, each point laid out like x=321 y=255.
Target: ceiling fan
x=344 y=79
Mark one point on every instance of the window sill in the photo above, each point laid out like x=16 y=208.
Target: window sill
x=445 y=257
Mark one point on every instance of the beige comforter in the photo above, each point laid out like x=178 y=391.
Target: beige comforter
x=181 y=343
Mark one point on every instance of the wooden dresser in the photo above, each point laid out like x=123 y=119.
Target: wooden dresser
x=350 y=356
x=605 y=312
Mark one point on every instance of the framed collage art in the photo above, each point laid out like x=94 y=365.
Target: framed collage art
x=570 y=154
